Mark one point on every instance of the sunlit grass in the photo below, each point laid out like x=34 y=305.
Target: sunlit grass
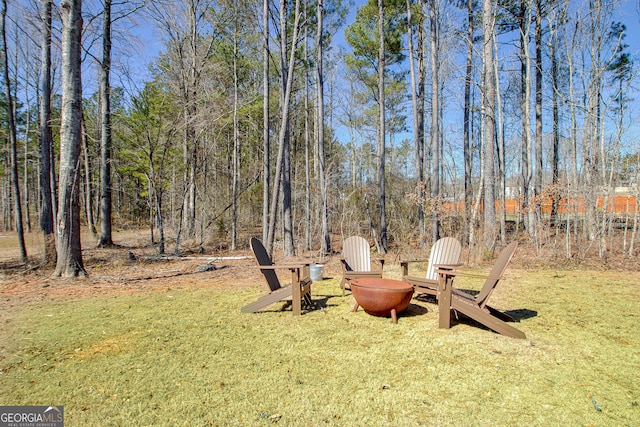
x=189 y=357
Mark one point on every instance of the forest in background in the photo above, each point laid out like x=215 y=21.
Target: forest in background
x=252 y=120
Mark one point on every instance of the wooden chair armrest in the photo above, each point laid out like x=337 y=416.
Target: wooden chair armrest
x=446 y=266
x=404 y=264
x=409 y=261
x=447 y=271
x=284 y=265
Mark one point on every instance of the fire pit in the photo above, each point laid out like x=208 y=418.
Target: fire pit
x=381 y=297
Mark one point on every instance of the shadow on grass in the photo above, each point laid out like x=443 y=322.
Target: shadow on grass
x=320 y=302
x=414 y=310
x=521 y=314
x=517 y=315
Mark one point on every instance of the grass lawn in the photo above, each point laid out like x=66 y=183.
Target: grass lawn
x=188 y=357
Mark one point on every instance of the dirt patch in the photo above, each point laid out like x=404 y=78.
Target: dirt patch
x=139 y=276
x=130 y=267
x=134 y=266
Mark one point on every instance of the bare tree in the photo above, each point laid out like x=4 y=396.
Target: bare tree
x=105 y=134
x=266 y=172
x=417 y=99
x=307 y=140
x=326 y=241
x=488 y=98
x=68 y=241
x=381 y=131
x=525 y=108
x=467 y=137
x=12 y=132
x=555 y=102
x=283 y=167
x=47 y=178
x=537 y=182
x=434 y=39
x=235 y=158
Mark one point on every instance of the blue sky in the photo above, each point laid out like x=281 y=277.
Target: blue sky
x=150 y=45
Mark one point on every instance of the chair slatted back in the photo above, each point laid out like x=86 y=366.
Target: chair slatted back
x=356 y=252
x=263 y=258
x=496 y=273
x=444 y=251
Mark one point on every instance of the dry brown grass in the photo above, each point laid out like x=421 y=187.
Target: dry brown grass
x=159 y=343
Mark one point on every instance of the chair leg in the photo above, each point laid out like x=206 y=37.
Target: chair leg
x=444 y=300
x=297 y=292
x=491 y=322
x=308 y=302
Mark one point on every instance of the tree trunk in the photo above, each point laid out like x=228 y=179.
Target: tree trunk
x=68 y=244
x=417 y=101
x=538 y=169
x=266 y=172
x=525 y=81
x=489 y=96
x=307 y=144
x=281 y=175
x=25 y=172
x=47 y=196
x=555 y=100
x=12 y=133
x=105 y=132
x=467 y=136
x=87 y=182
x=236 y=138
x=435 y=122
x=590 y=156
x=326 y=240
x=501 y=153
x=381 y=131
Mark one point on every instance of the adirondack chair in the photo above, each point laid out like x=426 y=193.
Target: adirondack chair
x=451 y=299
x=299 y=291
x=356 y=260
x=445 y=251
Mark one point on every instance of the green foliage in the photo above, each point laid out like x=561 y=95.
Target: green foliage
x=363 y=37
x=621 y=64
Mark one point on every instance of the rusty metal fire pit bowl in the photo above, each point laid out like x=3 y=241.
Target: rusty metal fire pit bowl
x=381 y=297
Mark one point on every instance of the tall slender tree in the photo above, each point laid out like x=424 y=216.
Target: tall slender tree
x=68 y=242
x=376 y=45
x=266 y=170
x=538 y=145
x=326 y=240
x=488 y=102
x=418 y=77
x=106 y=238
x=283 y=162
x=555 y=103
x=235 y=158
x=381 y=133
x=467 y=136
x=435 y=137
x=524 y=22
x=47 y=176
x=13 y=142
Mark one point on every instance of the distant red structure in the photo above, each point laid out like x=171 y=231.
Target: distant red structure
x=619 y=205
